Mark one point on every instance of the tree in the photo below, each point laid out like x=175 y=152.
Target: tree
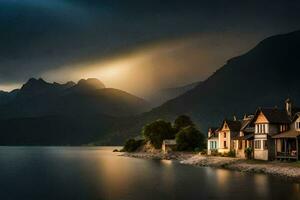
x=189 y=138
x=132 y=145
x=182 y=121
x=158 y=131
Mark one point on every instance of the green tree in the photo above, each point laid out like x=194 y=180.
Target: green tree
x=182 y=121
x=158 y=131
x=189 y=138
x=132 y=145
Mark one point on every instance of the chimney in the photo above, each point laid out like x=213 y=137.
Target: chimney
x=209 y=132
x=234 y=118
x=289 y=106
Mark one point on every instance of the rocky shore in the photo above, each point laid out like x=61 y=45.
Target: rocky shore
x=283 y=169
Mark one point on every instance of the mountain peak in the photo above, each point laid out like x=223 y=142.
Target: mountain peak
x=35 y=83
x=91 y=83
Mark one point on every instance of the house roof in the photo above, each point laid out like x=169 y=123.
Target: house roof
x=245 y=137
x=214 y=132
x=246 y=124
x=274 y=115
x=296 y=116
x=233 y=125
x=169 y=142
x=288 y=134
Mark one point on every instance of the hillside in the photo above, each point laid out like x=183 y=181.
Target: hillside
x=43 y=113
x=264 y=76
x=165 y=95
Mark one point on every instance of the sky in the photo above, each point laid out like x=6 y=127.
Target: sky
x=137 y=46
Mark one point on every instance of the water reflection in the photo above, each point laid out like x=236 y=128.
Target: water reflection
x=97 y=173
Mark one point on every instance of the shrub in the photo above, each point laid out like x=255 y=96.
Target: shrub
x=132 y=145
x=215 y=153
x=248 y=152
x=231 y=154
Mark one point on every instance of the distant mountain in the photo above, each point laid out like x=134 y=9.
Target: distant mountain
x=42 y=110
x=5 y=97
x=164 y=95
x=265 y=76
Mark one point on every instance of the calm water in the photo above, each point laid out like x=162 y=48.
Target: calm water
x=96 y=173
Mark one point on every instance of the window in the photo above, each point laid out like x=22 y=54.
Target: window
x=225 y=146
x=265 y=144
x=257 y=144
x=213 y=145
x=262 y=128
x=224 y=134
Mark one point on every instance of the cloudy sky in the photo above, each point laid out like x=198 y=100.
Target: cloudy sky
x=138 y=46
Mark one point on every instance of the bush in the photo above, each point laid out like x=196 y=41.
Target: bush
x=158 y=131
x=190 y=138
x=132 y=145
x=231 y=154
x=214 y=153
x=248 y=152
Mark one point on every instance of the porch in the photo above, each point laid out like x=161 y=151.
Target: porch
x=287 y=145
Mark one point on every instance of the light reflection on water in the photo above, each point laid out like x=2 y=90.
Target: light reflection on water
x=97 y=173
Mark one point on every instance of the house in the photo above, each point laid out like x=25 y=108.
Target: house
x=287 y=144
x=276 y=134
x=245 y=138
x=168 y=145
x=268 y=123
x=212 y=141
x=229 y=129
x=271 y=133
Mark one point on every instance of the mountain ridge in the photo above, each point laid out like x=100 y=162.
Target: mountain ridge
x=264 y=76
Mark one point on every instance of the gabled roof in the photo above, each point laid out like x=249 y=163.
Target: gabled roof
x=274 y=115
x=246 y=123
x=214 y=132
x=232 y=125
x=296 y=116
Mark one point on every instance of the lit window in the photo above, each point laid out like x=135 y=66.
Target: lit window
x=257 y=144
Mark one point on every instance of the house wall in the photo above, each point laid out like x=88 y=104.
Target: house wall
x=209 y=148
x=273 y=129
x=271 y=149
x=224 y=131
x=260 y=154
x=240 y=153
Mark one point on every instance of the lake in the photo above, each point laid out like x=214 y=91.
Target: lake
x=96 y=173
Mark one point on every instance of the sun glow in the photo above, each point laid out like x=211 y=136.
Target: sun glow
x=145 y=70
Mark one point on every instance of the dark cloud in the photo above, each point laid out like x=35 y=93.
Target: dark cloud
x=39 y=36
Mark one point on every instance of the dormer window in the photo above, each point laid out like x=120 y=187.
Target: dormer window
x=261 y=128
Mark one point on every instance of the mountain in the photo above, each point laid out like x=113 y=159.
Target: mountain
x=264 y=76
x=5 y=97
x=164 y=95
x=40 y=98
x=52 y=113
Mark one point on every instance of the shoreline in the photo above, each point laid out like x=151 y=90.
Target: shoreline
x=289 y=170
